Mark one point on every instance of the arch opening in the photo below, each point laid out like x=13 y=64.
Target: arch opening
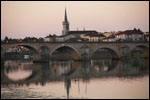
x=32 y=49
x=104 y=53
x=65 y=53
x=140 y=51
x=20 y=52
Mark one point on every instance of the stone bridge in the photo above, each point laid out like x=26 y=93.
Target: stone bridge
x=81 y=48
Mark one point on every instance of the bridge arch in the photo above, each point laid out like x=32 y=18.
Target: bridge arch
x=142 y=46
x=105 y=52
x=34 y=51
x=30 y=48
x=75 y=52
x=140 y=51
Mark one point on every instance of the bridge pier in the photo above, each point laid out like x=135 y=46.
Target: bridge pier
x=36 y=57
x=2 y=54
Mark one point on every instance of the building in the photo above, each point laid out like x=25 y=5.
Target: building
x=146 y=36
x=71 y=36
x=59 y=39
x=107 y=34
x=93 y=37
x=50 y=38
x=110 y=38
x=54 y=38
x=130 y=35
x=78 y=35
x=85 y=35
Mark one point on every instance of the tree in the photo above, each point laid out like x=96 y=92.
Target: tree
x=139 y=30
x=135 y=29
x=6 y=39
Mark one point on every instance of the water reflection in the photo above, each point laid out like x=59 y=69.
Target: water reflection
x=17 y=70
x=63 y=68
x=104 y=65
x=26 y=72
x=133 y=67
x=67 y=85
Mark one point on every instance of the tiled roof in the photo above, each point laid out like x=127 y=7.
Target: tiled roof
x=82 y=32
x=129 y=32
x=94 y=35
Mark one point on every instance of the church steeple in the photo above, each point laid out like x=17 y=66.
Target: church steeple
x=65 y=24
x=65 y=16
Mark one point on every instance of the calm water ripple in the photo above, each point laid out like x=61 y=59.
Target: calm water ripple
x=102 y=79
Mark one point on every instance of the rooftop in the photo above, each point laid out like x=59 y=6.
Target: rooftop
x=94 y=35
x=129 y=32
x=82 y=32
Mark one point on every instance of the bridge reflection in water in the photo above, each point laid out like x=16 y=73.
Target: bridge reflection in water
x=26 y=72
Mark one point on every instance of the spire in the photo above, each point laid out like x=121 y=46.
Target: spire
x=65 y=16
x=65 y=24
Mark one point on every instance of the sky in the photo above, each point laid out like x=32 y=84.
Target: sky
x=20 y=19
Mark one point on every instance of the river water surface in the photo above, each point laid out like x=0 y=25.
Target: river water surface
x=101 y=79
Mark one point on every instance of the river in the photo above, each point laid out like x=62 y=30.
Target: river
x=95 y=79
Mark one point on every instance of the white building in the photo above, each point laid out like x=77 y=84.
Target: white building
x=59 y=39
x=130 y=35
x=48 y=39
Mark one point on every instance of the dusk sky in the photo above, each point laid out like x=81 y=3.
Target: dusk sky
x=21 y=19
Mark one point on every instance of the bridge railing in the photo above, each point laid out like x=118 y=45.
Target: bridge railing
x=79 y=42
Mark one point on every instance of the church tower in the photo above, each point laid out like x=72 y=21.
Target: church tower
x=65 y=25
